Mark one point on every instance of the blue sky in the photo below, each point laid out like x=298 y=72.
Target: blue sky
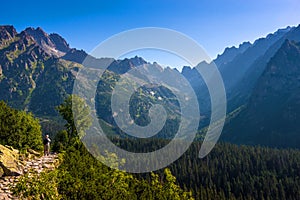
x=214 y=24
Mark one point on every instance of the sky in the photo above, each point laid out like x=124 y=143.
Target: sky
x=214 y=24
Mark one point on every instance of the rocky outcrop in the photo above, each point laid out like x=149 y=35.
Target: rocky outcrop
x=123 y=66
x=7 y=33
x=12 y=166
x=59 y=42
x=9 y=162
x=52 y=44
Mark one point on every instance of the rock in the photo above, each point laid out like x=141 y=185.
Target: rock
x=33 y=166
x=4 y=196
x=48 y=166
x=9 y=161
x=34 y=152
x=1 y=172
x=12 y=149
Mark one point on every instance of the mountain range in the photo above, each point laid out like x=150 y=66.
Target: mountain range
x=272 y=114
x=37 y=72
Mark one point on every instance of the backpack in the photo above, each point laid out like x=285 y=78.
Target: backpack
x=45 y=141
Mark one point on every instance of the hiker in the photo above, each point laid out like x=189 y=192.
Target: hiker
x=47 y=145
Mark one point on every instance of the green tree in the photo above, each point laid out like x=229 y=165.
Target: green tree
x=77 y=115
x=60 y=140
x=19 y=129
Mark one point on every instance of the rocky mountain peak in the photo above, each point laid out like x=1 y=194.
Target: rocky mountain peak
x=75 y=55
x=7 y=32
x=230 y=53
x=186 y=69
x=123 y=66
x=38 y=34
x=244 y=46
x=59 y=42
x=136 y=61
x=280 y=31
x=53 y=44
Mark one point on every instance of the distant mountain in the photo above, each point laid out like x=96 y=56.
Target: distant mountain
x=123 y=66
x=239 y=93
x=199 y=86
x=193 y=76
x=244 y=70
x=233 y=64
x=140 y=102
x=240 y=68
x=230 y=53
x=233 y=71
x=272 y=115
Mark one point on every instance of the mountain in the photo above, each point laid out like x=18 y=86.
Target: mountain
x=32 y=76
x=233 y=64
x=52 y=44
x=239 y=93
x=241 y=66
x=230 y=53
x=7 y=33
x=272 y=115
x=38 y=70
x=199 y=86
x=233 y=71
x=123 y=66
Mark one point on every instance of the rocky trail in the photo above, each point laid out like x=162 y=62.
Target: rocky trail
x=34 y=165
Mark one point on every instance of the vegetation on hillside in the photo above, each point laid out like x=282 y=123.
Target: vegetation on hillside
x=81 y=176
x=19 y=129
x=228 y=172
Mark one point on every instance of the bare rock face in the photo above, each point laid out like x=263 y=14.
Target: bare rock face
x=9 y=162
x=7 y=33
x=53 y=44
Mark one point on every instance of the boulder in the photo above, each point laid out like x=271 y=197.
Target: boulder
x=9 y=162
